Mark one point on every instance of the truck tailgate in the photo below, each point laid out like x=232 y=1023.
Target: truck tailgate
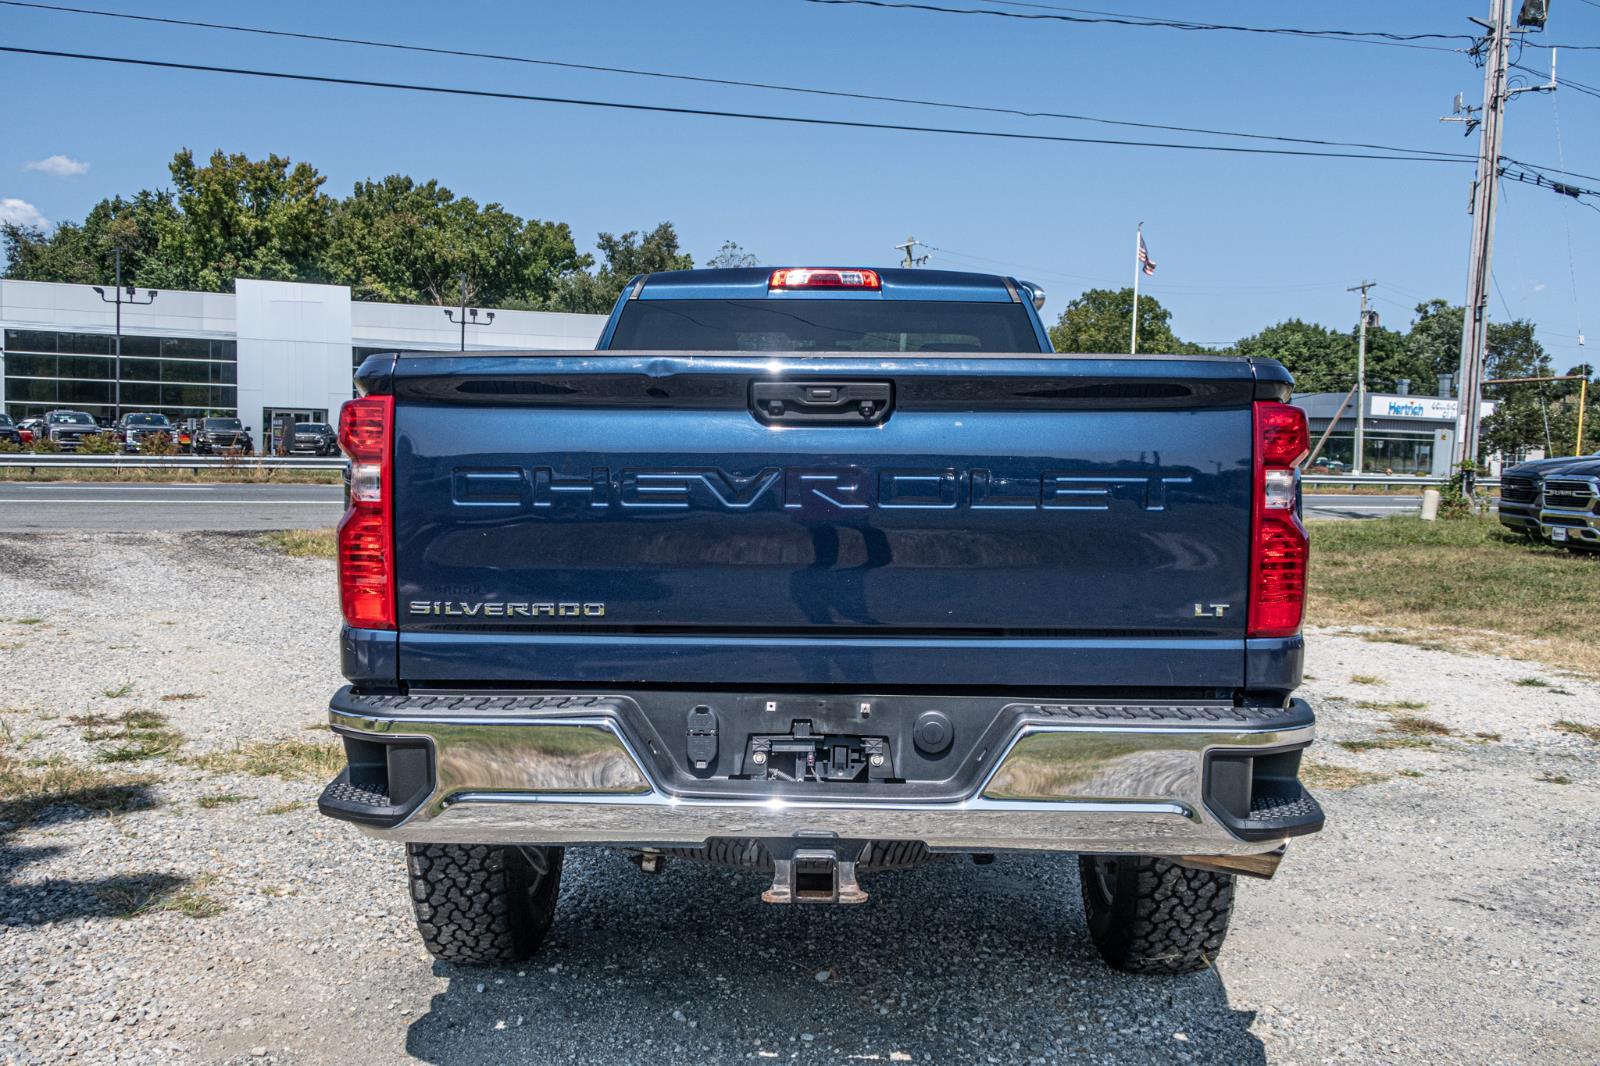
x=629 y=517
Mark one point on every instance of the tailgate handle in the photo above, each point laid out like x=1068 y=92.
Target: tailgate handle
x=818 y=403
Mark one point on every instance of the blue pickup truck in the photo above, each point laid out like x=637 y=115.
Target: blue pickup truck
x=819 y=572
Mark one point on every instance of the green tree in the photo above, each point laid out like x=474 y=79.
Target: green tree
x=1321 y=359
x=1522 y=411
x=1564 y=397
x=1434 y=343
x=1325 y=360
x=627 y=255
x=1099 y=322
x=409 y=242
x=245 y=218
x=731 y=255
x=81 y=253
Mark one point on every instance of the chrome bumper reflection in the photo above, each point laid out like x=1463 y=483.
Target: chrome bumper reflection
x=1058 y=787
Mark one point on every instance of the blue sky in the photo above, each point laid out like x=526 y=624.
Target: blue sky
x=1241 y=241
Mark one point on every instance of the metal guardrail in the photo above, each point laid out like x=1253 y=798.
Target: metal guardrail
x=245 y=463
x=1386 y=481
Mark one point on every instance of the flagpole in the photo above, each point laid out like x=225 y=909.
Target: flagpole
x=1133 y=340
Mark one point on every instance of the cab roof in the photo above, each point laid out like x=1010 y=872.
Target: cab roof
x=898 y=283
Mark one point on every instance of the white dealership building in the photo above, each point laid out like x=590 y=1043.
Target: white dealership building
x=269 y=348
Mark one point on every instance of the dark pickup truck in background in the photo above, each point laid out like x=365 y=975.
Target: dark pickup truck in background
x=821 y=571
x=1555 y=499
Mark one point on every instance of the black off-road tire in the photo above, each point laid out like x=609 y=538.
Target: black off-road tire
x=482 y=903
x=1152 y=916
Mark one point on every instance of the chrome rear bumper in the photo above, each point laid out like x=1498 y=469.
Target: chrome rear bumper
x=1121 y=785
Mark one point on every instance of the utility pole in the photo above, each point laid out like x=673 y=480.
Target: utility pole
x=1485 y=187
x=451 y=315
x=119 y=299
x=1474 y=325
x=907 y=259
x=1361 y=379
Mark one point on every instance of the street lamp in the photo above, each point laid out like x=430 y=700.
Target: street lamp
x=118 y=299
x=450 y=313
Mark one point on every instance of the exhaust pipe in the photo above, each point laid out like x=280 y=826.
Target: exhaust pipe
x=814 y=876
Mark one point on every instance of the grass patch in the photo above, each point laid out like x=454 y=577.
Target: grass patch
x=1489 y=736
x=27 y=621
x=220 y=799
x=302 y=543
x=1366 y=679
x=26 y=788
x=292 y=760
x=136 y=735
x=1337 y=778
x=188 y=898
x=1526 y=600
x=174 y=697
x=124 y=689
x=1385 y=743
x=1392 y=706
x=1418 y=726
x=1411 y=773
x=1578 y=729
x=282 y=808
x=1554 y=779
x=1532 y=682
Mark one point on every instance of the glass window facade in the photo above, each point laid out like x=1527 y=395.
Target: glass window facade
x=1387 y=451
x=180 y=377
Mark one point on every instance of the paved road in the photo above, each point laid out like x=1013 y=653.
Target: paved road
x=58 y=506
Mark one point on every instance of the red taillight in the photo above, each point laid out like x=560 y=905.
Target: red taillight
x=1281 y=434
x=823 y=278
x=366 y=535
x=1280 y=548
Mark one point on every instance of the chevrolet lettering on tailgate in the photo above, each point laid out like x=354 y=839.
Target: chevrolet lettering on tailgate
x=544 y=489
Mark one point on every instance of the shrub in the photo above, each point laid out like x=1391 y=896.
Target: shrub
x=9 y=446
x=157 y=444
x=104 y=443
x=1454 y=499
x=43 y=445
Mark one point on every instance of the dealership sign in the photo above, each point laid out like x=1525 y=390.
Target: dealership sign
x=1437 y=408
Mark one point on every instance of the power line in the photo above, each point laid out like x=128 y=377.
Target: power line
x=799 y=120
x=706 y=80
x=1081 y=16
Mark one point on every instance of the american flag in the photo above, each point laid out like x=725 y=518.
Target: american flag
x=1147 y=264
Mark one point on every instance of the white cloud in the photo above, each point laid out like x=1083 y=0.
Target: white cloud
x=59 y=165
x=21 y=213
x=1538 y=286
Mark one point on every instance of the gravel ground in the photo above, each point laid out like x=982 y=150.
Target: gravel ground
x=1447 y=914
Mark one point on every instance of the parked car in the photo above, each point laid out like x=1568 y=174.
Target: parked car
x=8 y=430
x=30 y=429
x=1569 y=505
x=135 y=427
x=210 y=436
x=820 y=571
x=68 y=428
x=314 y=438
x=1521 y=492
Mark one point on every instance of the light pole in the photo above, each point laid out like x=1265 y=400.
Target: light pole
x=451 y=314
x=118 y=299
